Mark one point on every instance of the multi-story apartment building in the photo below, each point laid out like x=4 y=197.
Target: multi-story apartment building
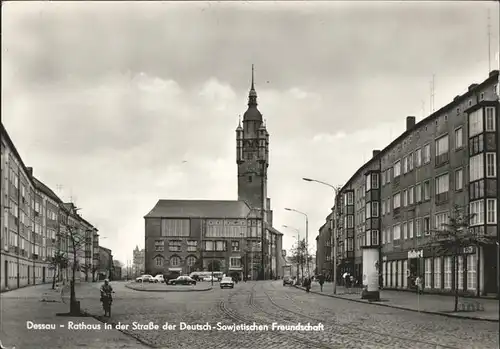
x=324 y=249
x=179 y=232
x=33 y=223
x=105 y=263
x=413 y=186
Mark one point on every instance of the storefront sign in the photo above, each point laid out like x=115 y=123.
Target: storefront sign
x=415 y=254
x=470 y=249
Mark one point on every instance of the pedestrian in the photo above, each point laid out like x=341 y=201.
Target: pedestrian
x=347 y=282
x=418 y=283
x=307 y=284
x=321 y=281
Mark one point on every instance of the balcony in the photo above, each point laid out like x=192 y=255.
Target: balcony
x=442 y=198
x=441 y=159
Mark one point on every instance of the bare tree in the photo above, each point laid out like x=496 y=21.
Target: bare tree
x=86 y=269
x=300 y=257
x=77 y=244
x=95 y=268
x=454 y=237
x=59 y=262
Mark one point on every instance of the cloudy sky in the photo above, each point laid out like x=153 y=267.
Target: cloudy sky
x=108 y=99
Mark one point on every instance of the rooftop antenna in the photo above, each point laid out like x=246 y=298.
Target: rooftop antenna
x=423 y=109
x=489 y=41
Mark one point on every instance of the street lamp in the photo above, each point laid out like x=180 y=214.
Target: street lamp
x=307 y=235
x=333 y=234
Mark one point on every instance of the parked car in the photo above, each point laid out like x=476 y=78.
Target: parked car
x=145 y=278
x=183 y=280
x=227 y=282
x=287 y=280
x=167 y=278
x=210 y=278
x=159 y=279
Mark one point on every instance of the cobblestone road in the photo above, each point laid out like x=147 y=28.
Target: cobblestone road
x=346 y=324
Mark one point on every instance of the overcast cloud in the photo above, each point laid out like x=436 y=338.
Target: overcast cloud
x=109 y=99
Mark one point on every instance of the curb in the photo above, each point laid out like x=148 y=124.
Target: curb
x=198 y=290
x=401 y=308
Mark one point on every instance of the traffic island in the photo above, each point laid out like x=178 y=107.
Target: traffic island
x=148 y=287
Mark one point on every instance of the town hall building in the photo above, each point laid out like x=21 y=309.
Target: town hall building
x=234 y=237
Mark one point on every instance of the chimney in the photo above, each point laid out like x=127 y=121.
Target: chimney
x=456 y=98
x=375 y=153
x=473 y=86
x=493 y=73
x=30 y=171
x=410 y=122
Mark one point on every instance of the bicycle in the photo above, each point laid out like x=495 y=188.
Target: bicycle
x=65 y=293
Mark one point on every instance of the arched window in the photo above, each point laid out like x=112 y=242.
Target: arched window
x=175 y=261
x=191 y=260
x=159 y=261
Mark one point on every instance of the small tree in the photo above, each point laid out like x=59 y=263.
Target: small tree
x=299 y=256
x=95 y=268
x=59 y=261
x=86 y=269
x=454 y=237
x=214 y=265
x=77 y=244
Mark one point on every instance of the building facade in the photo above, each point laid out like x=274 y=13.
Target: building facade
x=34 y=222
x=409 y=189
x=236 y=237
x=138 y=266
x=105 y=268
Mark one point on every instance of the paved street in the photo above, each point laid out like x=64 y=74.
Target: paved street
x=346 y=324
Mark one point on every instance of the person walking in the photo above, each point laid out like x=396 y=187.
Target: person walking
x=305 y=283
x=348 y=282
x=418 y=283
x=321 y=280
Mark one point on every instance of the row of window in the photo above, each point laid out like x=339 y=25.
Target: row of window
x=422 y=226
x=192 y=245
x=176 y=261
x=422 y=191
x=422 y=156
x=395 y=273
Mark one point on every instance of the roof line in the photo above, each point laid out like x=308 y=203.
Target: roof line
x=493 y=76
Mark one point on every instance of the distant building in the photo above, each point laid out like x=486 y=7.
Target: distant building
x=138 y=265
x=105 y=263
x=116 y=273
x=236 y=237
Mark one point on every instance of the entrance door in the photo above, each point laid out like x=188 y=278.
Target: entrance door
x=43 y=275
x=6 y=274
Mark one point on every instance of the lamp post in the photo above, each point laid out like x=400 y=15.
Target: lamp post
x=333 y=230
x=307 y=236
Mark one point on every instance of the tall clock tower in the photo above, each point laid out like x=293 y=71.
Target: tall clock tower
x=252 y=154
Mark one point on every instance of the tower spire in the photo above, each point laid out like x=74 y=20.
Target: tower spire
x=252 y=95
x=252 y=87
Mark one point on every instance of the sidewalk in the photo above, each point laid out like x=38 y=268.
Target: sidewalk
x=17 y=307
x=426 y=303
